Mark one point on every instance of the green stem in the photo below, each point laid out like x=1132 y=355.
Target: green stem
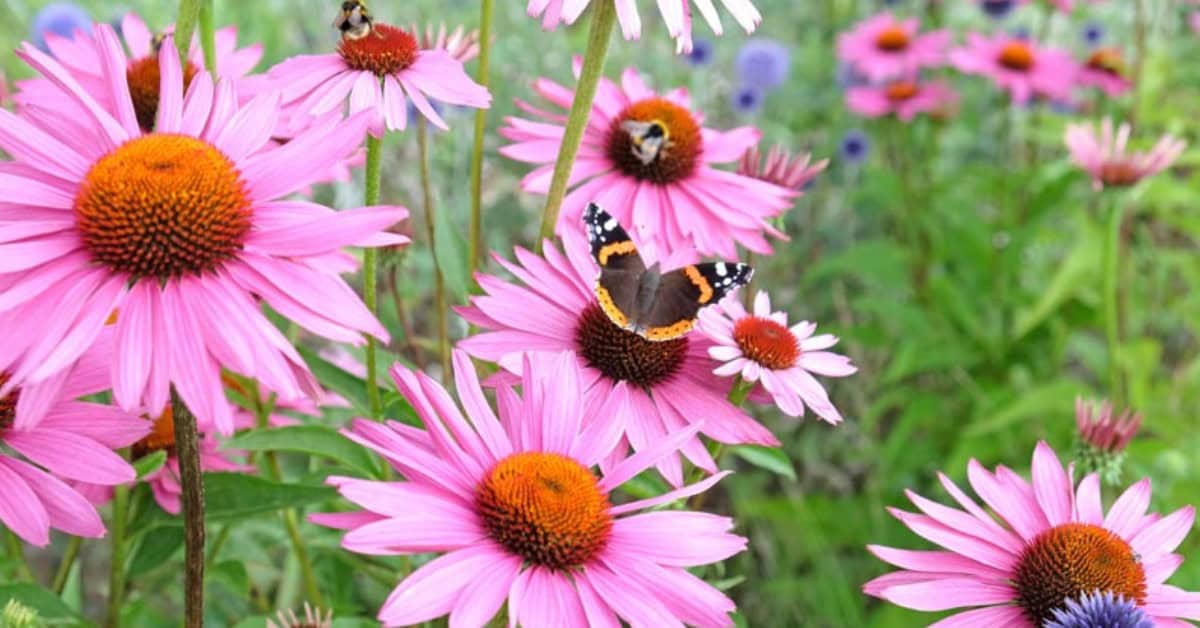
x=370 y=273
x=17 y=553
x=439 y=284
x=603 y=18
x=208 y=36
x=475 y=233
x=1139 y=61
x=68 y=561
x=214 y=550
x=185 y=26
x=1112 y=302
x=116 y=574
x=187 y=445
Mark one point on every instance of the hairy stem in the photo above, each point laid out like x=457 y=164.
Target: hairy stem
x=370 y=272
x=187 y=443
x=475 y=230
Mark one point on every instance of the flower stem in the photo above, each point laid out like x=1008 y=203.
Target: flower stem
x=1112 y=304
x=439 y=283
x=68 y=561
x=185 y=26
x=16 y=553
x=116 y=574
x=187 y=443
x=603 y=18
x=475 y=230
x=208 y=37
x=370 y=272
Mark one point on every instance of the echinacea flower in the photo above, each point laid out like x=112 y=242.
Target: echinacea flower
x=1094 y=610
x=379 y=73
x=165 y=482
x=72 y=440
x=180 y=231
x=901 y=98
x=512 y=501
x=673 y=196
x=459 y=43
x=676 y=14
x=781 y=167
x=63 y=19
x=883 y=47
x=1105 y=69
x=1019 y=66
x=1047 y=543
x=1105 y=155
x=1102 y=438
x=665 y=385
x=313 y=618
x=763 y=63
x=762 y=349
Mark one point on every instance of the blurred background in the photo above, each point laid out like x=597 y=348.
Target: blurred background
x=958 y=259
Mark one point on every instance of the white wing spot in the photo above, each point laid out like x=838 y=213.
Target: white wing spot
x=611 y=224
x=721 y=269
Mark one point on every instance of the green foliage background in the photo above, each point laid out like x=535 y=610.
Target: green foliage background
x=960 y=264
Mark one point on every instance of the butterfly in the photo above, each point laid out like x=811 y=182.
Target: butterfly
x=658 y=306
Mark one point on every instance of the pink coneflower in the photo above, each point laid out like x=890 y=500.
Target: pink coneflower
x=513 y=501
x=164 y=483
x=781 y=167
x=670 y=195
x=663 y=385
x=1053 y=543
x=1103 y=430
x=1105 y=70
x=1106 y=158
x=761 y=348
x=883 y=47
x=73 y=440
x=180 y=230
x=313 y=618
x=461 y=44
x=676 y=14
x=1019 y=66
x=903 y=99
x=378 y=73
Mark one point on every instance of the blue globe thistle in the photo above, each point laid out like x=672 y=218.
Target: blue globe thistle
x=59 y=18
x=998 y=9
x=1021 y=33
x=856 y=146
x=747 y=99
x=702 y=53
x=1100 y=610
x=1093 y=33
x=763 y=63
x=848 y=77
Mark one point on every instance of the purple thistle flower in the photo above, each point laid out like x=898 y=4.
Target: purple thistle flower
x=1100 y=610
x=763 y=63
x=747 y=99
x=59 y=18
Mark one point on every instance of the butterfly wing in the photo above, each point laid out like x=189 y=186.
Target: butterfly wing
x=621 y=266
x=682 y=292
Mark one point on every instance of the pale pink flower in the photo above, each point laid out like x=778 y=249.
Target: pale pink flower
x=511 y=500
x=761 y=348
x=1105 y=155
x=1034 y=545
x=674 y=197
x=182 y=231
x=663 y=385
x=676 y=15
x=1021 y=67
x=903 y=99
x=461 y=44
x=781 y=167
x=1194 y=21
x=313 y=618
x=378 y=74
x=1105 y=70
x=883 y=47
x=1103 y=430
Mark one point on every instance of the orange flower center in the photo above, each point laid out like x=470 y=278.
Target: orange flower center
x=1107 y=60
x=623 y=355
x=655 y=140
x=144 y=82
x=160 y=438
x=770 y=344
x=892 y=39
x=1069 y=560
x=901 y=91
x=163 y=206
x=385 y=50
x=1016 y=55
x=545 y=508
x=1120 y=173
x=8 y=405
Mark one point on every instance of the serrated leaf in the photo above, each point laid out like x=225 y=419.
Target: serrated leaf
x=316 y=440
x=149 y=464
x=770 y=458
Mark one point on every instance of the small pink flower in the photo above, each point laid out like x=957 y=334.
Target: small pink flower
x=903 y=99
x=883 y=47
x=511 y=501
x=781 y=168
x=1105 y=155
x=164 y=483
x=1101 y=429
x=676 y=15
x=1105 y=69
x=760 y=347
x=461 y=44
x=1194 y=20
x=378 y=73
x=1019 y=66
x=1032 y=547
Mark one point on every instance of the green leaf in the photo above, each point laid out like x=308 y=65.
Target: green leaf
x=1078 y=271
x=235 y=496
x=185 y=25
x=316 y=440
x=158 y=546
x=451 y=253
x=233 y=574
x=1053 y=399
x=47 y=604
x=149 y=464
x=333 y=377
x=770 y=458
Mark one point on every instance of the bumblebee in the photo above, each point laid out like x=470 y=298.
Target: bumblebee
x=353 y=20
x=650 y=139
x=157 y=41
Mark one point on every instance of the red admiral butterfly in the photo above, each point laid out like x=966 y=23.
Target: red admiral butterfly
x=658 y=306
